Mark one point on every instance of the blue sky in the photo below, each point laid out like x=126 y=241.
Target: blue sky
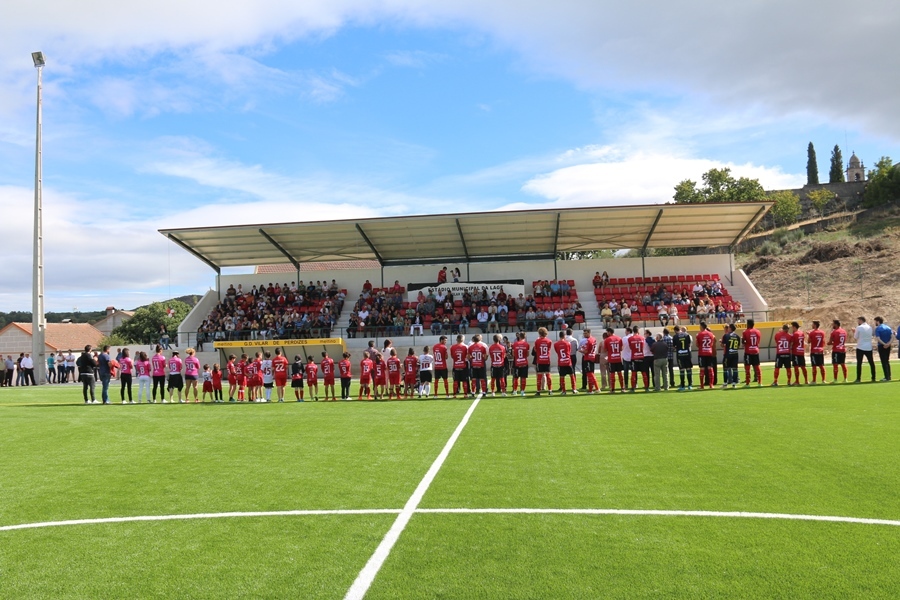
x=199 y=113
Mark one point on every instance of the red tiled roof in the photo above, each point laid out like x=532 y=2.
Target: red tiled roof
x=65 y=336
x=318 y=266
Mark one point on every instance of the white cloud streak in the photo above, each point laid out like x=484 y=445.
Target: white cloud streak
x=828 y=58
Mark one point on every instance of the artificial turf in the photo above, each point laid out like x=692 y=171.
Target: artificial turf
x=824 y=450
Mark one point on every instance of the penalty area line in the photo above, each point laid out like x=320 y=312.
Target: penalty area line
x=662 y=513
x=224 y=515
x=367 y=575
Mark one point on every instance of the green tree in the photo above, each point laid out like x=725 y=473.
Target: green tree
x=746 y=190
x=786 y=209
x=719 y=185
x=836 y=174
x=686 y=192
x=819 y=199
x=112 y=340
x=144 y=326
x=884 y=183
x=812 y=167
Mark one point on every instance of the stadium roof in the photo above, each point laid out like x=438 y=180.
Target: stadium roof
x=473 y=237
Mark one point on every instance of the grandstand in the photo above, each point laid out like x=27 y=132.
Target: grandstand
x=518 y=246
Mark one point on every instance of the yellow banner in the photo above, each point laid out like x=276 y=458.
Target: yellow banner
x=280 y=343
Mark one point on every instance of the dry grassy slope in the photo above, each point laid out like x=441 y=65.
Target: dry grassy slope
x=834 y=274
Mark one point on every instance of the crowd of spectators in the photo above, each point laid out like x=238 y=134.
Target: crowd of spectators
x=670 y=302
x=275 y=311
x=384 y=311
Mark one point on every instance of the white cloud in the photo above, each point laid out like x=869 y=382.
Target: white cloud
x=829 y=58
x=92 y=248
x=610 y=177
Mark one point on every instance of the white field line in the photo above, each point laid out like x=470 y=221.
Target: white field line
x=225 y=515
x=367 y=575
x=661 y=513
x=500 y=511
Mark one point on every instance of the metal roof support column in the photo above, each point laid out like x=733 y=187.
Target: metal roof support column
x=647 y=241
x=556 y=245
x=730 y=266
x=759 y=215
x=281 y=249
x=208 y=262
x=462 y=240
x=371 y=246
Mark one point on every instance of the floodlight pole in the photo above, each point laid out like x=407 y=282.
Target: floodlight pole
x=38 y=320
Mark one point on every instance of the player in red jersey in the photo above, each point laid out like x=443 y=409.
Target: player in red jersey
x=541 y=351
x=441 y=355
x=380 y=376
x=706 y=352
x=345 y=368
x=798 y=349
x=816 y=339
x=250 y=378
x=366 y=370
x=751 y=338
x=612 y=344
x=588 y=347
x=459 y=354
x=258 y=377
x=312 y=378
x=240 y=370
x=394 y=367
x=520 y=350
x=232 y=376
x=563 y=350
x=638 y=345
x=327 y=366
x=280 y=373
x=478 y=356
x=497 y=352
x=410 y=373
x=783 y=344
x=838 y=342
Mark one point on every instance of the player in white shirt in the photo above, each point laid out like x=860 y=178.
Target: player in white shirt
x=426 y=371
x=626 y=354
x=268 y=376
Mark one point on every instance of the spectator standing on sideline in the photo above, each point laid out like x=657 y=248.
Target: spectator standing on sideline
x=10 y=370
x=51 y=368
x=86 y=365
x=70 y=367
x=60 y=368
x=2 y=372
x=660 y=351
x=670 y=358
x=884 y=335
x=20 y=372
x=28 y=368
x=863 y=336
x=105 y=374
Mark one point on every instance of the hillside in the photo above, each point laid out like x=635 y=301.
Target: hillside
x=839 y=273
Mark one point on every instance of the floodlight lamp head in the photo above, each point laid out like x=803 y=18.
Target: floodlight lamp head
x=38 y=58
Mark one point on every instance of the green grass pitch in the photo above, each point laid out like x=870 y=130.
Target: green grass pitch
x=824 y=450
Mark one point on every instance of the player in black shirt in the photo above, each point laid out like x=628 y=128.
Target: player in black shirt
x=682 y=342
x=731 y=342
